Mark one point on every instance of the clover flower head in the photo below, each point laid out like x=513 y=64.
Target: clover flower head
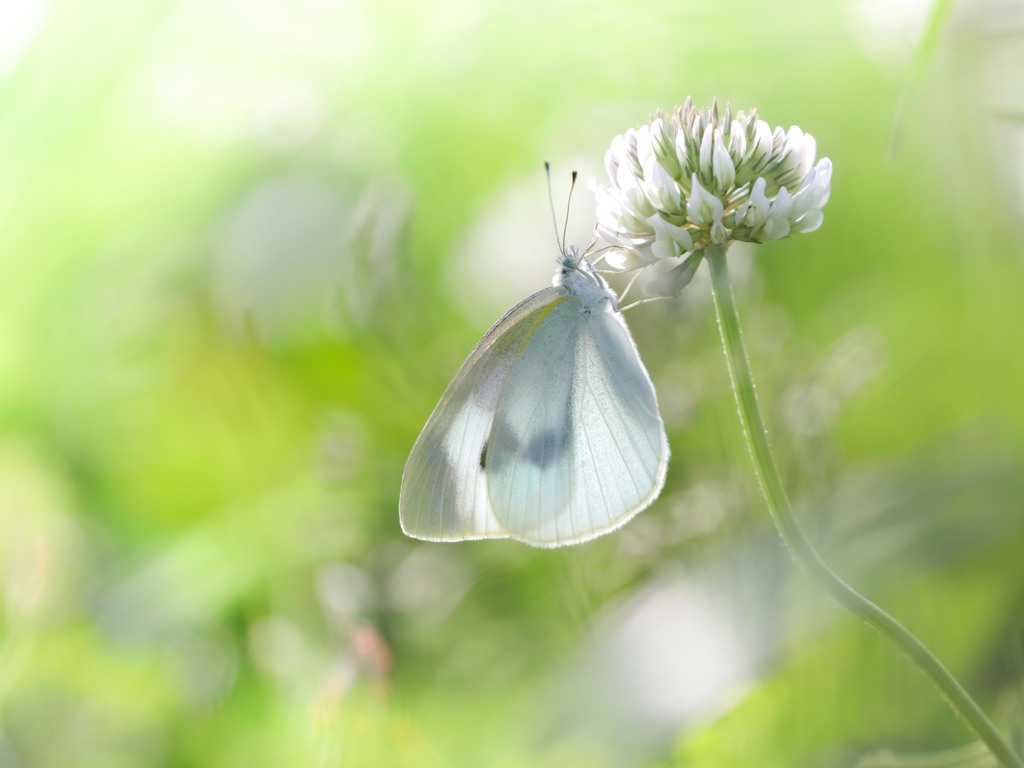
x=697 y=178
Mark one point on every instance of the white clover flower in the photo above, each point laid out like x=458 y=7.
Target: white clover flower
x=696 y=179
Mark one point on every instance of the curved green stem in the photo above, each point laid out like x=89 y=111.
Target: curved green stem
x=797 y=541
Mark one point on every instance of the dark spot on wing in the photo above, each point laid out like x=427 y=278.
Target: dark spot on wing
x=543 y=448
x=501 y=433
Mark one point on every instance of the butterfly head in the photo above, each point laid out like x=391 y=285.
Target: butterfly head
x=579 y=278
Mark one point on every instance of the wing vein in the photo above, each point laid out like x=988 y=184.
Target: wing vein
x=618 y=447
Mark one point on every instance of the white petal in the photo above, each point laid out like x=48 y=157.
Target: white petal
x=737 y=142
x=810 y=149
x=681 y=154
x=794 y=141
x=823 y=175
x=762 y=143
x=644 y=147
x=615 y=156
x=664 y=146
x=671 y=282
x=725 y=171
x=809 y=222
x=706 y=145
x=665 y=230
x=757 y=210
x=661 y=189
x=782 y=205
x=739 y=213
x=719 y=234
x=621 y=259
x=797 y=157
x=703 y=208
x=665 y=248
x=803 y=200
x=772 y=229
x=634 y=196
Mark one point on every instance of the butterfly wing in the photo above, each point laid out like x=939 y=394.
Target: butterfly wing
x=577 y=446
x=444 y=487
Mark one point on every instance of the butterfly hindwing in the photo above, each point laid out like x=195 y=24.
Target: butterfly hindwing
x=529 y=474
x=577 y=447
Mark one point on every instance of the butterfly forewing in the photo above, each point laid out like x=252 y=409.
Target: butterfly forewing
x=444 y=489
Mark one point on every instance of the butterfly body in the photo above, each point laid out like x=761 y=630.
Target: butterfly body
x=549 y=433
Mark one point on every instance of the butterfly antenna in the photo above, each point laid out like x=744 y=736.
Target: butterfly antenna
x=559 y=237
x=568 y=202
x=551 y=204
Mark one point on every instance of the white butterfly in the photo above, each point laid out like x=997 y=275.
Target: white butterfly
x=549 y=433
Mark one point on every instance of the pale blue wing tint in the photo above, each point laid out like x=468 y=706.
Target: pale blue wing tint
x=578 y=447
x=444 y=493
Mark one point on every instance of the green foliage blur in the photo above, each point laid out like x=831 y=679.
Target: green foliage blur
x=244 y=245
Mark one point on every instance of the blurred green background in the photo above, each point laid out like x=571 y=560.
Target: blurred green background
x=244 y=244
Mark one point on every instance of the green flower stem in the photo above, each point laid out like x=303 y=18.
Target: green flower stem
x=797 y=541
